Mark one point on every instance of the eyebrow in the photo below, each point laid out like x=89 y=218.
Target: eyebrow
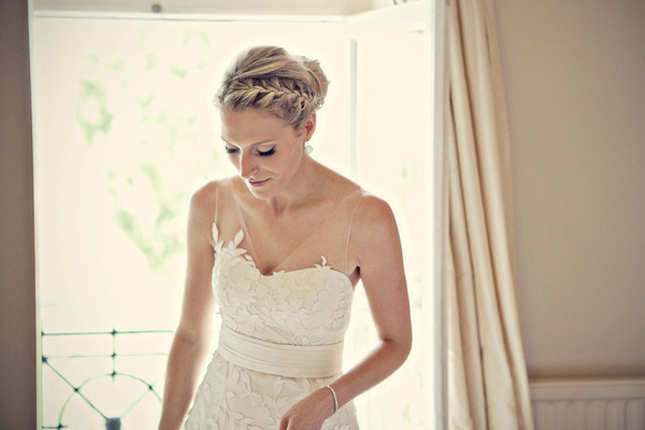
x=267 y=142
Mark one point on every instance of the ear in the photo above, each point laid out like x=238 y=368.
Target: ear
x=310 y=126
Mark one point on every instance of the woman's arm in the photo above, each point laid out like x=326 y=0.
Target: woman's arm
x=375 y=247
x=193 y=335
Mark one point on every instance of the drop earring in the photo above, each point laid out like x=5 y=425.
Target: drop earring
x=308 y=148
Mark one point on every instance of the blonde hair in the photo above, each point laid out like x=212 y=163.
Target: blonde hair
x=268 y=78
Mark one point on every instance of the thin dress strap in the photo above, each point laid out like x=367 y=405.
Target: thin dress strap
x=213 y=238
x=245 y=228
x=216 y=201
x=222 y=198
x=349 y=231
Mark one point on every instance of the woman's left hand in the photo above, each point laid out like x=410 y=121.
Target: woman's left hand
x=310 y=413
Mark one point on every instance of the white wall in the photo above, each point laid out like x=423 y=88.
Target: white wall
x=574 y=73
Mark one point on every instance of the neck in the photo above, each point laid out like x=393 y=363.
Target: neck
x=300 y=191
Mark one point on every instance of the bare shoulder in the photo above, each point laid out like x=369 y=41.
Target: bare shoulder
x=202 y=213
x=203 y=200
x=374 y=231
x=373 y=212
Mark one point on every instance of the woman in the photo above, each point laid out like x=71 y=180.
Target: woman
x=291 y=239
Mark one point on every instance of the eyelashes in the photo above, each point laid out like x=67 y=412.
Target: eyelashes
x=260 y=153
x=266 y=153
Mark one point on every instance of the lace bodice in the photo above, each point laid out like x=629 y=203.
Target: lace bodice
x=310 y=306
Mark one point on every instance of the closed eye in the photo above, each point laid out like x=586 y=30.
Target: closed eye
x=230 y=150
x=266 y=153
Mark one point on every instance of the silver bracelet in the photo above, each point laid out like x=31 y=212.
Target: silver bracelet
x=333 y=393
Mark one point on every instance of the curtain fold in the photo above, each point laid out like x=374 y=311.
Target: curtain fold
x=486 y=368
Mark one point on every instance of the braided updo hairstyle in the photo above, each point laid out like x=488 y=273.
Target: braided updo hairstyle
x=270 y=79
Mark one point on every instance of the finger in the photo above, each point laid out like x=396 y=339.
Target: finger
x=284 y=424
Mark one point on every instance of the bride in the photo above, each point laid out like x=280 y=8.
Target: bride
x=280 y=248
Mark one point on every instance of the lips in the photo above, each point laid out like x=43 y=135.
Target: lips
x=258 y=183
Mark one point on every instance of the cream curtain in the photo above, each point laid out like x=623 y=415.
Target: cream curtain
x=488 y=386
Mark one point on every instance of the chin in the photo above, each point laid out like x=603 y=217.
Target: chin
x=263 y=192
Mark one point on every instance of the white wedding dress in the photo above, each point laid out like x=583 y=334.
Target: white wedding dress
x=281 y=336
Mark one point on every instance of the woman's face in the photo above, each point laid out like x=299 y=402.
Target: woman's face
x=266 y=153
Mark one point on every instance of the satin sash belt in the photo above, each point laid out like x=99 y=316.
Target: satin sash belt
x=296 y=361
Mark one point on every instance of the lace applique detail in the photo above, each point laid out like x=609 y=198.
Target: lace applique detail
x=324 y=263
x=234 y=398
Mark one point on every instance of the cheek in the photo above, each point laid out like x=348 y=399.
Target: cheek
x=281 y=163
x=290 y=163
x=278 y=161
x=276 y=165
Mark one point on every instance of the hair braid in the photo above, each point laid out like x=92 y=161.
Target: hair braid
x=270 y=79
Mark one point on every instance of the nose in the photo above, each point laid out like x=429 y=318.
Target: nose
x=247 y=165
